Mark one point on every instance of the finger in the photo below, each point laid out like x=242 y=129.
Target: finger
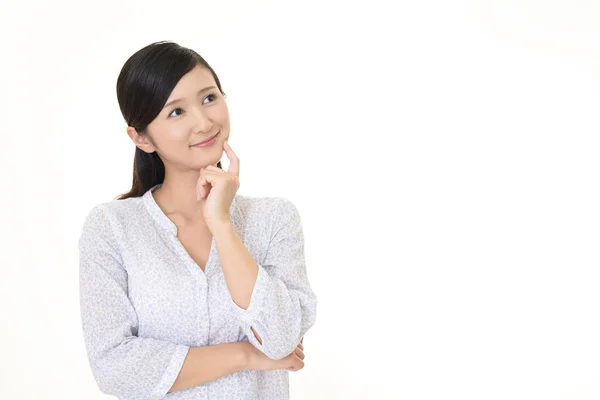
x=202 y=188
x=213 y=175
x=200 y=191
x=302 y=339
x=214 y=169
x=295 y=368
x=210 y=176
x=210 y=169
x=299 y=353
x=300 y=346
x=297 y=364
x=204 y=184
x=234 y=161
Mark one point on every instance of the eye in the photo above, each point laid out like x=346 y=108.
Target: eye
x=178 y=108
x=211 y=95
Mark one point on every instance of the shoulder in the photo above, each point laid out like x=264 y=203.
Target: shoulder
x=265 y=204
x=276 y=209
x=104 y=215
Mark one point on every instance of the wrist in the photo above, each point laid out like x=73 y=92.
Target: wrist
x=244 y=355
x=220 y=227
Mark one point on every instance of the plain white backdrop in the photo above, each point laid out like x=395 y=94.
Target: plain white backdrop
x=444 y=157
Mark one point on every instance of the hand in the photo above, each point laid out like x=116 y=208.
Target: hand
x=217 y=188
x=260 y=362
x=299 y=354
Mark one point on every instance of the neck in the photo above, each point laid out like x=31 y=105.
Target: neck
x=177 y=196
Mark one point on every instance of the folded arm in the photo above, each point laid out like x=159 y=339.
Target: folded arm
x=273 y=300
x=122 y=363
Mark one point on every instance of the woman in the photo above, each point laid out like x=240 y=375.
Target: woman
x=188 y=289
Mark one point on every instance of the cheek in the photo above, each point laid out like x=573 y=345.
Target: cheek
x=172 y=142
x=222 y=114
x=178 y=133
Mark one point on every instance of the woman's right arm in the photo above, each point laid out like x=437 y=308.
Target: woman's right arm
x=123 y=364
x=208 y=363
x=205 y=364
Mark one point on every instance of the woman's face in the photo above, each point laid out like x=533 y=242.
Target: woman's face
x=195 y=110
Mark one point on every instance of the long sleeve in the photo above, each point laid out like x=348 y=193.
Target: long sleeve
x=123 y=364
x=282 y=306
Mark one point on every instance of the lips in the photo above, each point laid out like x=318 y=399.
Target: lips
x=207 y=140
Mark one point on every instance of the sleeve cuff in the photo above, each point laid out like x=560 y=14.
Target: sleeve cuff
x=250 y=315
x=171 y=372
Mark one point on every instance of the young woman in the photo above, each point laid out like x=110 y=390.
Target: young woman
x=188 y=289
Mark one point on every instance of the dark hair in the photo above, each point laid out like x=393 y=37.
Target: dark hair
x=146 y=80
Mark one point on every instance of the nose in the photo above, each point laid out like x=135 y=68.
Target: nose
x=202 y=122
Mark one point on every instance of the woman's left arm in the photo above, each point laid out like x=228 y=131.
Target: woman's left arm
x=273 y=300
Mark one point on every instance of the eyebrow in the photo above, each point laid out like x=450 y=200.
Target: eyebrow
x=199 y=91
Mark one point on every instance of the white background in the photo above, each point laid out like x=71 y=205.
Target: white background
x=444 y=156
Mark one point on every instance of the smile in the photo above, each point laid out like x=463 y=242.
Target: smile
x=207 y=142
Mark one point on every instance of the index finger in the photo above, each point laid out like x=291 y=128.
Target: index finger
x=234 y=161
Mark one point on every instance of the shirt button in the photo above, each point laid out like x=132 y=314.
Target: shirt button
x=204 y=324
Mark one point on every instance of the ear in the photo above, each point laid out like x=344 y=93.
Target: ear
x=140 y=141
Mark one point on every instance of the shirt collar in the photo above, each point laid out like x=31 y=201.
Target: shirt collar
x=159 y=216
x=156 y=212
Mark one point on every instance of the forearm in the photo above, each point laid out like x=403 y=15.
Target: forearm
x=273 y=300
x=208 y=363
x=239 y=268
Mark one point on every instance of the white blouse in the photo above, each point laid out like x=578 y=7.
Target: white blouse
x=145 y=302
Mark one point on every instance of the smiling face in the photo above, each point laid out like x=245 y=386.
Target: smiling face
x=195 y=111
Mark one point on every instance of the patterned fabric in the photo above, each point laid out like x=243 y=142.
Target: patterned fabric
x=145 y=302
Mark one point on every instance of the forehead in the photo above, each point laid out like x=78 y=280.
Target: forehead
x=189 y=84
